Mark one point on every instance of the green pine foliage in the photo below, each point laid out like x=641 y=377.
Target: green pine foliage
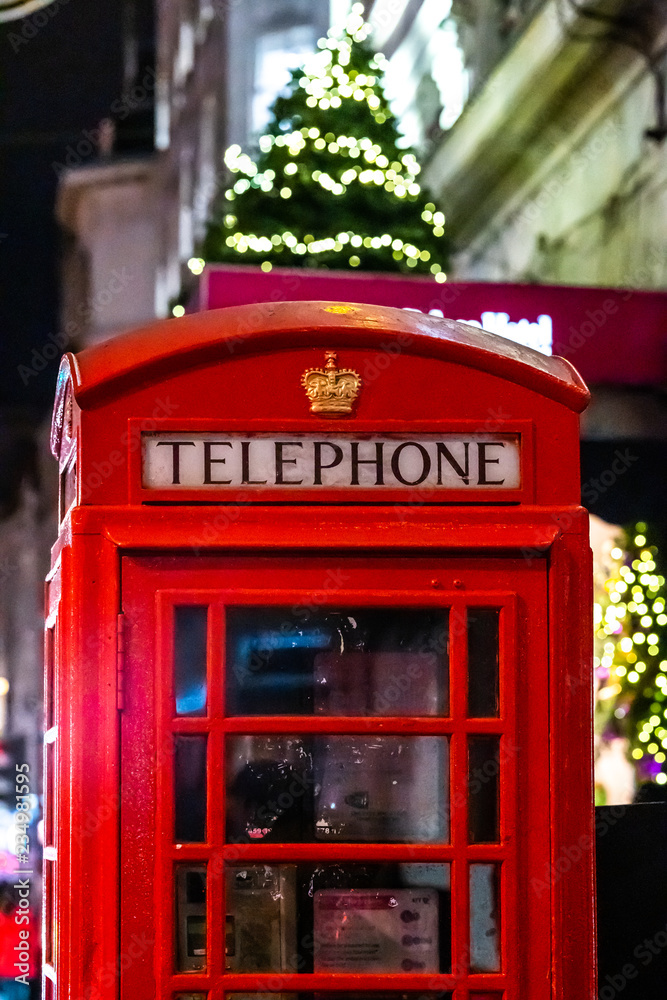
x=331 y=186
x=631 y=648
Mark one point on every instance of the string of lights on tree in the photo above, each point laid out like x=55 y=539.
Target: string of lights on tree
x=332 y=185
x=631 y=648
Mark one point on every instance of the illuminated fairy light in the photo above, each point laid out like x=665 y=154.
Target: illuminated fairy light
x=334 y=162
x=629 y=628
x=196 y=265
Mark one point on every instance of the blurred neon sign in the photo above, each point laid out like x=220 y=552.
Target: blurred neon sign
x=537 y=335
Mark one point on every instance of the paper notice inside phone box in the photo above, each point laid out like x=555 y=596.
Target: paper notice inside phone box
x=376 y=930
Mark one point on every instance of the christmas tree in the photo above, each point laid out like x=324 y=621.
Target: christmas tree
x=331 y=185
x=631 y=648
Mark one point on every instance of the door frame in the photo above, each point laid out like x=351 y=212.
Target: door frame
x=191 y=581
x=94 y=544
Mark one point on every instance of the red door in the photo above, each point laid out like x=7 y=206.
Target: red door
x=334 y=777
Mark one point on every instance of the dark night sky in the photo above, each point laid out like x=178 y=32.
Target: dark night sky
x=52 y=86
x=56 y=79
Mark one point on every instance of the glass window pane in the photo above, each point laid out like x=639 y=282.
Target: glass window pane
x=191 y=917
x=359 y=662
x=483 y=662
x=189 y=789
x=49 y=950
x=269 y=789
x=338 y=918
x=484 y=919
x=50 y=678
x=190 y=634
x=192 y=996
x=483 y=790
x=49 y=796
x=352 y=995
x=261 y=918
x=382 y=789
x=359 y=789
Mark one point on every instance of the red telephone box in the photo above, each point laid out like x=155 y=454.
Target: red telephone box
x=318 y=665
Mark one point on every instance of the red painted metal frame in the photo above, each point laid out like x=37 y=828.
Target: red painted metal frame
x=89 y=758
x=224 y=366
x=94 y=757
x=148 y=618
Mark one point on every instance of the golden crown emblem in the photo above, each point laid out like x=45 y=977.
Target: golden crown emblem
x=331 y=390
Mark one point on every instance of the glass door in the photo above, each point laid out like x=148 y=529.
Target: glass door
x=334 y=779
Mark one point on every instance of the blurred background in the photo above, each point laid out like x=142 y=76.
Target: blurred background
x=539 y=126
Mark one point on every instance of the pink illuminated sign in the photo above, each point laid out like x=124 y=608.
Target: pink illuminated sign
x=611 y=335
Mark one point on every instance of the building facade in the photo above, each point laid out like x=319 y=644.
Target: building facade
x=543 y=135
x=133 y=215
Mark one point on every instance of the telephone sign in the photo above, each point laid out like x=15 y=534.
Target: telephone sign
x=311 y=460
x=317 y=665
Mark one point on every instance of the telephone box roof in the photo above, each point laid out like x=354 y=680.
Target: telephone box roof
x=153 y=352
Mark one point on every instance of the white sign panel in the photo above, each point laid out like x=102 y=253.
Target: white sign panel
x=173 y=461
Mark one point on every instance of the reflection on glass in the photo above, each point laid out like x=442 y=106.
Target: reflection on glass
x=190 y=625
x=359 y=662
x=190 y=996
x=191 y=917
x=483 y=771
x=189 y=789
x=383 y=789
x=355 y=789
x=269 y=789
x=483 y=662
x=261 y=918
x=484 y=919
x=338 y=918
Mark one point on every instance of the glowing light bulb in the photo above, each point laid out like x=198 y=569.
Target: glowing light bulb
x=196 y=265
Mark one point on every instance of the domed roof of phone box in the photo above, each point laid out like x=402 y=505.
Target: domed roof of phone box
x=155 y=351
